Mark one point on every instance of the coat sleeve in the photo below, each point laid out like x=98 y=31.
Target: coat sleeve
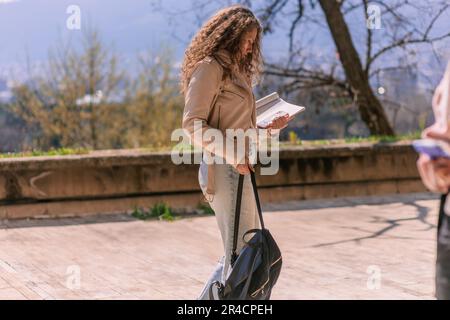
x=199 y=98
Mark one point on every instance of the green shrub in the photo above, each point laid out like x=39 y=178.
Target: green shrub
x=160 y=211
x=51 y=152
x=205 y=209
x=293 y=138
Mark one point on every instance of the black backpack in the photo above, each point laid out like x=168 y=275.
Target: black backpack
x=255 y=270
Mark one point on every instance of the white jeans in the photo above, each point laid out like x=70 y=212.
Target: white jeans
x=224 y=205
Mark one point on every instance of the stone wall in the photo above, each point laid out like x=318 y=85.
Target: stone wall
x=117 y=181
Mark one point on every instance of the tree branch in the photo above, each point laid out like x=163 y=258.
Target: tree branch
x=406 y=40
x=368 y=40
x=294 y=23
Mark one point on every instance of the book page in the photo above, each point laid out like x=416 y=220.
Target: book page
x=267 y=109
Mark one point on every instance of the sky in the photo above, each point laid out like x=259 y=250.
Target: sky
x=29 y=28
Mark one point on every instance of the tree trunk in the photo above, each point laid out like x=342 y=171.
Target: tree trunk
x=370 y=108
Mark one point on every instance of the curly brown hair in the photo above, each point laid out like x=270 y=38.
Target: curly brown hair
x=224 y=30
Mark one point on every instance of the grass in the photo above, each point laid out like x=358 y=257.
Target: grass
x=159 y=211
x=410 y=136
x=294 y=140
x=39 y=153
x=185 y=147
x=204 y=208
x=163 y=212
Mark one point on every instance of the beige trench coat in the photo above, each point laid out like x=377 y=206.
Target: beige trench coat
x=219 y=103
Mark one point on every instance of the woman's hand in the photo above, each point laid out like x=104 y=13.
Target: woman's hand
x=280 y=122
x=244 y=168
x=435 y=174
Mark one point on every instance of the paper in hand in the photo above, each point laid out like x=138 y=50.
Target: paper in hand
x=271 y=107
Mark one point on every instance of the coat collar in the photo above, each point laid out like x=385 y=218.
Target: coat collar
x=224 y=58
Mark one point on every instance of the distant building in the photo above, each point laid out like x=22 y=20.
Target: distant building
x=404 y=99
x=5 y=92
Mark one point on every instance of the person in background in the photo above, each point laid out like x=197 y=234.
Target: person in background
x=435 y=174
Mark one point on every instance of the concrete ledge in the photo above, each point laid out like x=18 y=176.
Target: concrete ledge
x=117 y=180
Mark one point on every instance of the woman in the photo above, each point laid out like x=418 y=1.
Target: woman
x=220 y=66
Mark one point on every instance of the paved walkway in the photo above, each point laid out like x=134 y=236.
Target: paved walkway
x=354 y=248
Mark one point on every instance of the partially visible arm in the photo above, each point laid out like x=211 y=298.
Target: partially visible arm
x=435 y=174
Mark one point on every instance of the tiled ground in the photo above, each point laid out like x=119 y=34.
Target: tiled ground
x=353 y=248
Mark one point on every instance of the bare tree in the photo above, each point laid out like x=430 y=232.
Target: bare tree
x=400 y=35
x=86 y=99
x=360 y=57
x=154 y=105
x=69 y=103
x=370 y=108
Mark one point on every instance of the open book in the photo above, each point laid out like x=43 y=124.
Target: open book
x=271 y=107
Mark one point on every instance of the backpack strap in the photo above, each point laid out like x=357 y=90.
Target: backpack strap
x=238 y=211
x=237 y=214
